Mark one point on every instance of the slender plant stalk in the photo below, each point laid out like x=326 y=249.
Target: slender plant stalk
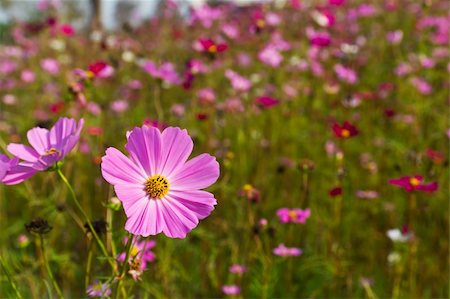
x=89 y=223
x=10 y=280
x=47 y=266
x=88 y=266
x=125 y=263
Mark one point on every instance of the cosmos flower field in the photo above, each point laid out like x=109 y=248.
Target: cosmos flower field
x=284 y=149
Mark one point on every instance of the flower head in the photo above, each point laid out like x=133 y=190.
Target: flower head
x=231 y=290
x=158 y=187
x=293 y=215
x=98 y=289
x=346 y=130
x=282 y=250
x=412 y=183
x=47 y=146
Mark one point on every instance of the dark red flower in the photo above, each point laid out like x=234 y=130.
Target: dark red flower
x=56 y=107
x=346 y=130
x=336 y=191
x=212 y=47
x=97 y=67
x=412 y=183
x=266 y=102
x=435 y=156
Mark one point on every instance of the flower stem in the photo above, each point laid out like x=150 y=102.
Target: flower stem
x=49 y=270
x=91 y=228
x=11 y=281
x=125 y=262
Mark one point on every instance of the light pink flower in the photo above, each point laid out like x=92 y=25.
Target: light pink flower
x=231 y=290
x=293 y=215
x=282 y=250
x=50 y=65
x=158 y=186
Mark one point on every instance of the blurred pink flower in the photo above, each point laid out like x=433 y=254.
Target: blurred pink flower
x=282 y=250
x=293 y=215
x=238 y=82
x=270 y=56
x=231 y=290
x=412 y=183
x=50 y=65
x=166 y=71
x=346 y=74
x=27 y=76
x=395 y=37
x=237 y=269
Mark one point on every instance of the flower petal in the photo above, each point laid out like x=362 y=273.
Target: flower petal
x=23 y=152
x=119 y=169
x=38 y=138
x=199 y=202
x=129 y=195
x=198 y=173
x=179 y=220
x=144 y=146
x=177 y=146
x=18 y=174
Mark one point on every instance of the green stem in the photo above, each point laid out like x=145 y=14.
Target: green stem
x=11 y=281
x=88 y=266
x=125 y=263
x=49 y=270
x=94 y=233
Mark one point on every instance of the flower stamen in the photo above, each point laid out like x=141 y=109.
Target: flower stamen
x=157 y=186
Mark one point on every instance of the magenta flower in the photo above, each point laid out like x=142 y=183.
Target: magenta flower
x=140 y=255
x=346 y=74
x=270 y=56
x=158 y=187
x=48 y=147
x=238 y=82
x=266 y=102
x=50 y=65
x=412 y=183
x=237 y=269
x=282 y=250
x=293 y=215
x=165 y=71
x=231 y=290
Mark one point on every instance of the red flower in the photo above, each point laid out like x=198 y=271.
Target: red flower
x=97 y=67
x=336 y=191
x=211 y=47
x=266 y=102
x=435 y=156
x=345 y=130
x=67 y=29
x=412 y=183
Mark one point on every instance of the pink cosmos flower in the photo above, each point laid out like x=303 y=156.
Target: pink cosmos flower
x=50 y=65
x=140 y=255
x=27 y=76
x=237 y=269
x=98 y=289
x=159 y=188
x=346 y=74
x=48 y=146
x=282 y=250
x=238 y=82
x=412 y=183
x=270 y=56
x=293 y=215
x=266 y=102
x=231 y=290
x=165 y=71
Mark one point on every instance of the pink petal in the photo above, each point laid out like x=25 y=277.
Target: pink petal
x=38 y=138
x=144 y=146
x=3 y=169
x=147 y=218
x=23 y=152
x=18 y=174
x=63 y=128
x=177 y=145
x=201 y=203
x=178 y=219
x=198 y=173
x=130 y=195
x=119 y=169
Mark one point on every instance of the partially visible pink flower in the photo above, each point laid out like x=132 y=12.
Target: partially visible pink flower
x=282 y=250
x=48 y=146
x=270 y=56
x=293 y=215
x=206 y=96
x=369 y=194
x=231 y=290
x=140 y=255
x=238 y=82
x=320 y=39
x=50 y=65
x=165 y=71
x=159 y=188
x=346 y=74
x=98 y=289
x=237 y=269
x=395 y=37
x=412 y=183
x=6 y=165
x=119 y=106
x=422 y=86
x=27 y=76
x=67 y=30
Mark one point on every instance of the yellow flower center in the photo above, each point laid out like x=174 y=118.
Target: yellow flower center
x=157 y=186
x=52 y=151
x=134 y=251
x=345 y=133
x=89 y=74
x=292 y=215
x=212 y=49
x=414 y=182
x=247 y=188
x=260 y=23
